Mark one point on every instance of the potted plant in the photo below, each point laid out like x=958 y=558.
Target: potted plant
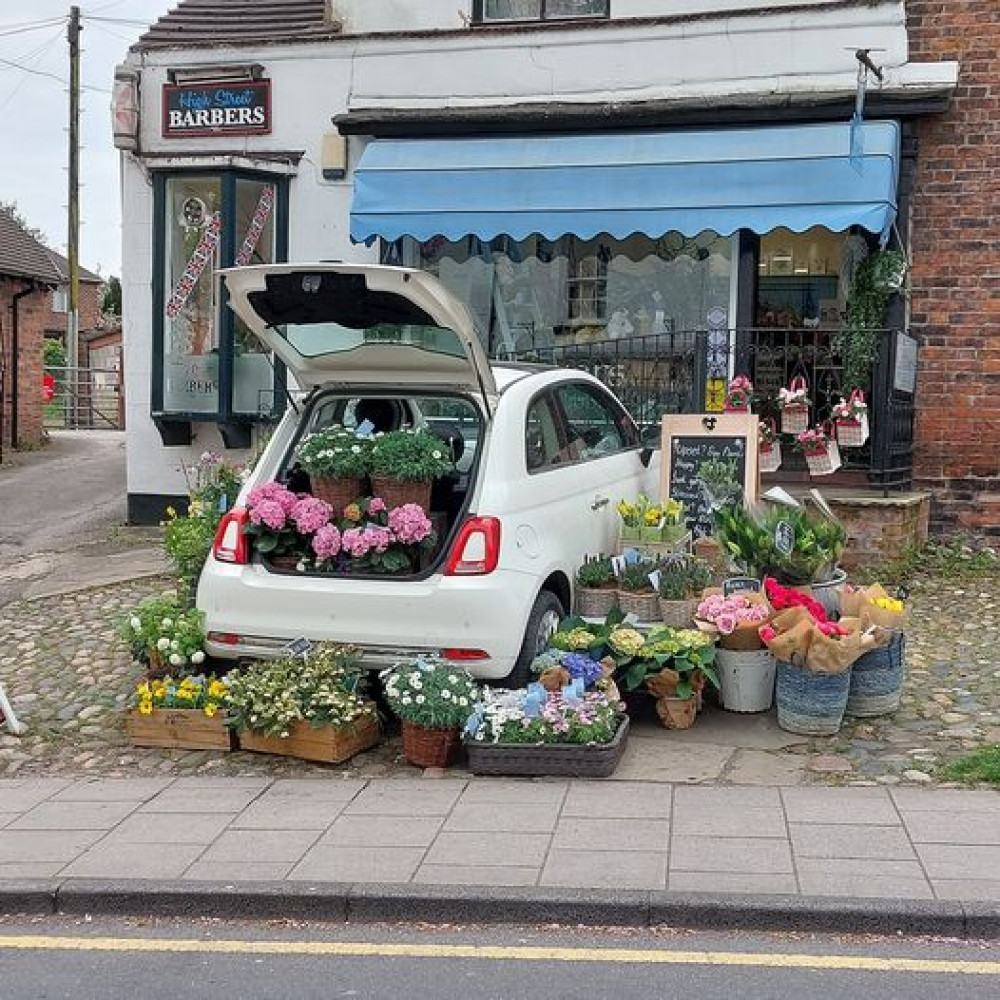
x=404 y=464
x=682 y=579
x=637 y=593
x=794 y=404
x=596 y=587
x=309 y=707
x=164 y=636
x=820 y=449
x=739 y=395
x=653 y=528
x=673 y=665
x=271 y=527
x=768 y=446
x=877 y=676
x=850 y=419
x=433 y=700
x=180 y=714
x=337 y=460
x=530 y=732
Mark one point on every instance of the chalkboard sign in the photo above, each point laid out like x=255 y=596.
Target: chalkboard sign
x=709 y=461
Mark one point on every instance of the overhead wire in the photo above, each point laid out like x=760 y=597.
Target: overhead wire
x=38 y=53
x=25 y=26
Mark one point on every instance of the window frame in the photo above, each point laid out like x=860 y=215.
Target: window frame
x=599 y=392
x=548 y=397
x=479 y=19
x=226 y=319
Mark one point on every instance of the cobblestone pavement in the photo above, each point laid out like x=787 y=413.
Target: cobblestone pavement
x=71 y=680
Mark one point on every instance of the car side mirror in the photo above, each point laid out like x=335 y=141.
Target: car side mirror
x=646 y=456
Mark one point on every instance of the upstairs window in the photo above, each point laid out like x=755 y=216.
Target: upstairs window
x=504 y=11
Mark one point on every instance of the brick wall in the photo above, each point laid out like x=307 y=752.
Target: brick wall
x=31 y=311
x=91 y=296
x=955 y=305
x=880 y=530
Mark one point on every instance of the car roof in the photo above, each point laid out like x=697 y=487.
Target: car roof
x=506 y=373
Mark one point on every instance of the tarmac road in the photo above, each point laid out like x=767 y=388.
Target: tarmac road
x=175 y=960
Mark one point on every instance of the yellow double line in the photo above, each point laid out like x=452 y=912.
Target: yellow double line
x=501 y=953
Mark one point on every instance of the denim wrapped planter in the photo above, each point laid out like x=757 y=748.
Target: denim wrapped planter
x=877 y=680
x=811 y=703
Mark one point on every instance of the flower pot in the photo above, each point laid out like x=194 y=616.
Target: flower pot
x=646 y=607
x=565 y=760
x=677 y=713
x=283 y=564
x=678 y=614
x=397 y=492
x=824 y=461
x=178 y=729
x=746 y=680
x=424 y=747
x=595 y=602
x=328 y=744
x=794 y=419
x=810 y=703
x=338 y=493
x=827 y=593
x=743 y=639
x=877 y=680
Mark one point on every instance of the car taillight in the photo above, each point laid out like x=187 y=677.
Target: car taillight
x=231 y=545
x=464 y=655
x=476 y=551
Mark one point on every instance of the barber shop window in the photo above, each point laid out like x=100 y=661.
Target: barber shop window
x=206 y=363
x=501 y=11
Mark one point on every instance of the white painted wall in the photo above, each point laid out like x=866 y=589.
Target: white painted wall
x=773 y=53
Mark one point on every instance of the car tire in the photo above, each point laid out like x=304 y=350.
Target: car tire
x=546 y=613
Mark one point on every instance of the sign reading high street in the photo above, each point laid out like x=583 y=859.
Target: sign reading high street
x=237 y=108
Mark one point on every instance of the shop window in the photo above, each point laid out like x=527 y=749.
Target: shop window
x=206 y=363
x=499 y=11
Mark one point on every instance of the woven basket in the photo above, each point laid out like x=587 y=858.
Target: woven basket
x=338 y=493
x=595 y=602
x=852 y=433
x=563 y=760
x=424 y=747
x=397 y=492
x=826 y=462
x=646 y=607
x=769 y=458
x=794 y=418
x=679 y=614
x=810 y=703
x=877 y=680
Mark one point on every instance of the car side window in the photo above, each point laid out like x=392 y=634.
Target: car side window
x=596 y=424
x=542 y=444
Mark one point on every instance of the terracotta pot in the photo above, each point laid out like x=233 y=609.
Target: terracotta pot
x=429 y=747
x=677 y=713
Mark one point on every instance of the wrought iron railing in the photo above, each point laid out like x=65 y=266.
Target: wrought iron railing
x=687 y=372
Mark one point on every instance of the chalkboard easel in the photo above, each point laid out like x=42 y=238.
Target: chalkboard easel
x=725 y=441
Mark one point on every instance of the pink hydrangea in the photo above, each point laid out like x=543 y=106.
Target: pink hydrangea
x=358 y=542
x=376 y=505
x=327 y=542
x=726 y=623
x=270 y=513
x=409 y=524
x=273 y=492
x=310 y=514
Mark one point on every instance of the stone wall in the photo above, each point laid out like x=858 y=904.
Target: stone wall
x=955 y=305
x=881 y=530
x=31 y=310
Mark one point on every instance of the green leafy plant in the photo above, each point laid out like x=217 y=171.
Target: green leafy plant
x=410 y=455
x=336 y=452
x=430 y=693
x=635 y=577
x=596 y=573
x=324 y=689
x=875 y=280
x=161 y=628
x=688 y=652
x=982 y=766
x=684 y=577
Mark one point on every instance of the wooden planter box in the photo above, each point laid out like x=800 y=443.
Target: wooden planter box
x=327 y=744
x=178 y=729
x=560 y=759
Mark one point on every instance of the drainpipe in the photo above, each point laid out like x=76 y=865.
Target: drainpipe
x=15 y=347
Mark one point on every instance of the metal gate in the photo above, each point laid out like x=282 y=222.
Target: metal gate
x=84 y=398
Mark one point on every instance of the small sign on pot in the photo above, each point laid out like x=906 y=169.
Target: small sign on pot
x=741 y=585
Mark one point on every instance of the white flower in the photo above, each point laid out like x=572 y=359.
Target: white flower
x=163 y=645
x=198 y=658
x=167 y=623
x=176 y=659
x=436 y=454
x=356 y=449
x=416 y=682
x=175 y=645
x=463 y=702
x=420 y=699
x=135 y=623
x=446 y=694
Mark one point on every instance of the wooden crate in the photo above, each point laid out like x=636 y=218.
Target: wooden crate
x=329 y=745
x=178 y=729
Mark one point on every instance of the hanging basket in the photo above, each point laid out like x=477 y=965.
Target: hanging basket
x=397 y=492
x=795 y=415
x=424 y=747
x=769 y=458
x=595 y=602
x=338 y=493
x=823 y=456
x=877 y=680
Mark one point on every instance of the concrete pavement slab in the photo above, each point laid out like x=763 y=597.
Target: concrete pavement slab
x=30 y=869
x=729 y=812
x=953 y=888
x=237 y=873
x=171 y=828
x=765 y=767
x=605 y=869
x=820 y=840
x=511 y=817
x=623 y=800
x=840 y=805
x=327 y=788
x=252 y=847
x=209 y=800
x=575 y=834
x=22 y=795
x=928 y=827
x=502 y=792
x=948 y=799
x=39 y=846
x=358 y=864
x=64 y=815
x=112 y=790
x=652 y=759
x=949 y=861
x=726 y=882
x=289 y=812
x=489 y=849
x=164 y=860
x=381 y=831
x=717 y=727
x=871 y=886
x=478 y=875
x=742 y=855
x=406 y=798
x=858 y=866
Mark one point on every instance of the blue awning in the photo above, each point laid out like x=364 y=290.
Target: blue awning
x=796 y=176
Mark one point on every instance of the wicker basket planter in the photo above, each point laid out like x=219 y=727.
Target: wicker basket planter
x=646 y=607
x=810 y=703
x=396 y=492
x=563 y=760
x=178 y=729
x=877 y=680
x=328 y=744
x=424 y=747
x=338 y=493
x=595 y=602
x=679 y=614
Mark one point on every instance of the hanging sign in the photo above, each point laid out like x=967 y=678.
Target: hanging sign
x=203 y=253
x=238 y=108
x=260 y=216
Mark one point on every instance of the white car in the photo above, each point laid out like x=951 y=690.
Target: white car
x=543 y=455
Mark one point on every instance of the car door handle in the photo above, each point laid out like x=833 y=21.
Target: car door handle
x=600 y=502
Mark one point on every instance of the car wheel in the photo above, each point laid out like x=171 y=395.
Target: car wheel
x=546 y=613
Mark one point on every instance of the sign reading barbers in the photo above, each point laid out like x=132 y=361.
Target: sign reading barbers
x=237 y=108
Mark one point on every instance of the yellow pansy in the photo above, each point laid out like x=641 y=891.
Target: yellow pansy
x=210 y=709
x=146 y=707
